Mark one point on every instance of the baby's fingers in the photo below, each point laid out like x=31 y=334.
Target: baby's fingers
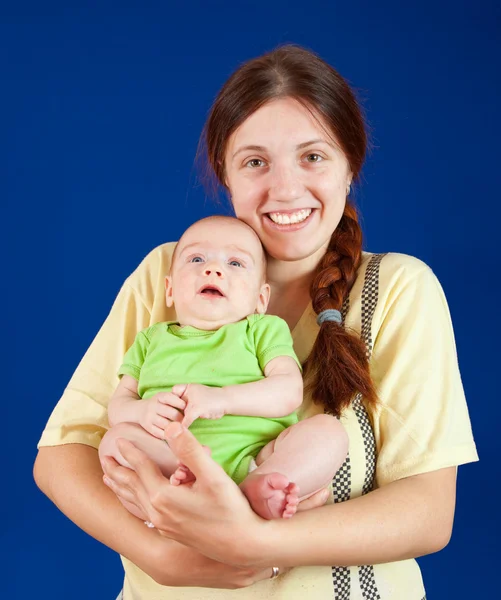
x=169 y=413
x=180 y=389
x=190 y=415
x=170 y=399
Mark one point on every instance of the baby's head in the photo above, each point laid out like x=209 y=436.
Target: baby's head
x=217 y=274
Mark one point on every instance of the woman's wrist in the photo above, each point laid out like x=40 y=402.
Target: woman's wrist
x=255 y=548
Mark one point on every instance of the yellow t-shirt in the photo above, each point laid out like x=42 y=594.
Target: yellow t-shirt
x=420 y=425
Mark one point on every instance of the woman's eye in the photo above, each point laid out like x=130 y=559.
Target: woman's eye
x=235 y=263
x=196 y=259
x=254 y=163
x=313 y=158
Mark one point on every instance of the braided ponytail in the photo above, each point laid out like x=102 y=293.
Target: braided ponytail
x=337 y=367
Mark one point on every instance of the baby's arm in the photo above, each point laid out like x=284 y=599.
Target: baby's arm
x=279 y=394
x=123 y=406
x=153 y=414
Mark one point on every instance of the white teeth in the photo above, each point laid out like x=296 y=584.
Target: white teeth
x=287 y=219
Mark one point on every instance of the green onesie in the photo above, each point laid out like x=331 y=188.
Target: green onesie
x=166 y=354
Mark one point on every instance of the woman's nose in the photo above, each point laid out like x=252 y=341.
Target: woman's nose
x=285 y=183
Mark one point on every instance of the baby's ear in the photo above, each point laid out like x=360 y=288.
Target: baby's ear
x=263 y=300
x=169 y=299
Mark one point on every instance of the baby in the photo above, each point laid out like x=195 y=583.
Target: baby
x=229 y=373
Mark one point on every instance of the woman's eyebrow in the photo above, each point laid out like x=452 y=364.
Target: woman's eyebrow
x=298 y=147
x=311 y=142
x=251 y=147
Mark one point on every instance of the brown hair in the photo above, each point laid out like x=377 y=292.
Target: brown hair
x=337 y=367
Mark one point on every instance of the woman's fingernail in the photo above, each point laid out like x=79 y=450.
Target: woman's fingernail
x=325 y=495
x=106 y=481
x=173 y=430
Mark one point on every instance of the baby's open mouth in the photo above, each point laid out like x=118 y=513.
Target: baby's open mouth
x=211 y=290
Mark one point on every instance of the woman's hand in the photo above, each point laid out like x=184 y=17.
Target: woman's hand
x=210 y=515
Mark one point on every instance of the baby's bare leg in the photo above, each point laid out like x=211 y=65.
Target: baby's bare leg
x=156 y=449
x=307 y=454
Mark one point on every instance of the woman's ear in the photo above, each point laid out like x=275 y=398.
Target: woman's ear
x=263 y=300
x=169 y=298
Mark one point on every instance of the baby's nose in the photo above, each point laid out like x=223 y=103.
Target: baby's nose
x=213 y=270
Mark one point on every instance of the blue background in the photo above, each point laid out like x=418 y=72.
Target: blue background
x=101 y=107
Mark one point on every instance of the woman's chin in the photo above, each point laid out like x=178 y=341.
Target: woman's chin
x=294 y=252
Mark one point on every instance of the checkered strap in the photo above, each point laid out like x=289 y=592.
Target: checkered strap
x=341 y=484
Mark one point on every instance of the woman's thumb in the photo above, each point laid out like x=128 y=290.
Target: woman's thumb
x=189 y=451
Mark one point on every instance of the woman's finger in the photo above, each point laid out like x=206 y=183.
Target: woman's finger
x=124 y=483
x=122 y=478
x=190 y=452
x=123 y=493
x=146 y=477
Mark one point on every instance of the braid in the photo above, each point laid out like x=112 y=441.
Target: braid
x=337 y=367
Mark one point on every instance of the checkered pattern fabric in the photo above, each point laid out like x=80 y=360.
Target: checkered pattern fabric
x=370 y=294
x=368 y=583
x=342 y=584
x=369 y=444
x=341 y=484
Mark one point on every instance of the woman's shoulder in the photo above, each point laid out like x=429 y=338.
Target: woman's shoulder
x=158 y=258
x=387 y=280
x=147 y=282
x=396 y=284
x=391 y=269
x=157 y=261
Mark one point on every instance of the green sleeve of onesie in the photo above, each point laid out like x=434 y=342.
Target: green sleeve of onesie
x=135 y=355
x=272 y=338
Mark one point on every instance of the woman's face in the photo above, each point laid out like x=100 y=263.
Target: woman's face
x=288 y=179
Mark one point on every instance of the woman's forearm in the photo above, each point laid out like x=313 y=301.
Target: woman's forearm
x=71 y=476
x=405 y=519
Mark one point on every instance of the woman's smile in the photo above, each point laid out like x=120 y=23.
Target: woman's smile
x=289 y=220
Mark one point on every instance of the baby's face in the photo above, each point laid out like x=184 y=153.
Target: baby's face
x=218 y=275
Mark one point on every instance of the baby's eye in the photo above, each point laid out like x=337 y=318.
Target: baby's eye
x=235 y=263
x=254 y=163
x=314 y=158
x=196 y=259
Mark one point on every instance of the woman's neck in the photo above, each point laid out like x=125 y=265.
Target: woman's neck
x=290 y=283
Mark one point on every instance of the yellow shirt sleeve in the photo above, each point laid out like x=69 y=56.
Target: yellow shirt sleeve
x=422 y=422
x=81 y=415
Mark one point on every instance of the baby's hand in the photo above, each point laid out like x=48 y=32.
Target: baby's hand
x=159 y=411
x=202 y=402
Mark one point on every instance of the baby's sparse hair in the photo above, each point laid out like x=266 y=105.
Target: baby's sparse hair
x=227 y=219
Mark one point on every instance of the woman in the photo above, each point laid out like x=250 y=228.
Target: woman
x=286 y=138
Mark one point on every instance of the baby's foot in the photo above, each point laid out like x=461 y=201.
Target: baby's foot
x=271 y=495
